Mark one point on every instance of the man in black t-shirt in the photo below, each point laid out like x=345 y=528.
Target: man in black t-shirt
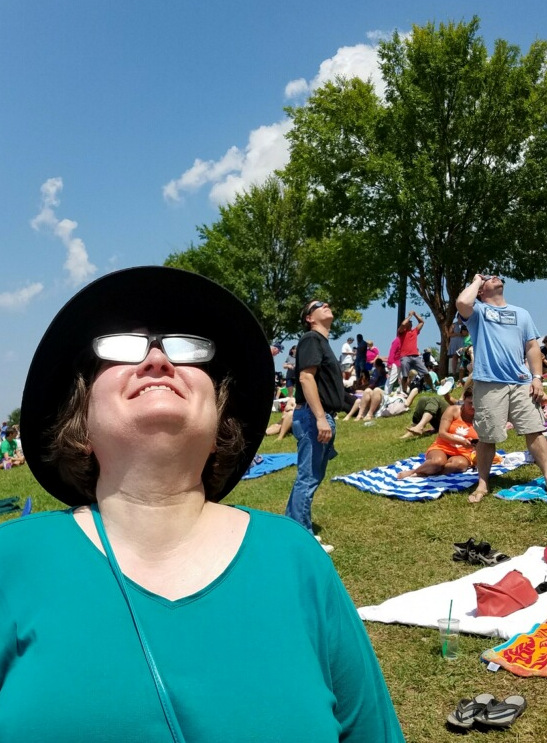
x=319 y=396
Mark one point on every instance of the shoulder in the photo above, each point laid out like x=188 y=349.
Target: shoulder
x=31 y=531
x=309 y=339
x=521 y=312
x=286 y=542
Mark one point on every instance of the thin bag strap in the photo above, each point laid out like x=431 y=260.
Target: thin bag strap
x=165 y=700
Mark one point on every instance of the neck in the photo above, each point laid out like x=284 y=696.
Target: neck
x=498 y=300
x=152 y=523
x=467 y=417
x=319 y=328
x=150 y=493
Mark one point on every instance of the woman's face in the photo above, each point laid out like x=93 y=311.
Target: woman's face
x=128 y=401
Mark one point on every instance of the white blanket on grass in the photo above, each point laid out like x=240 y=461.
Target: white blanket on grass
x=425 y=606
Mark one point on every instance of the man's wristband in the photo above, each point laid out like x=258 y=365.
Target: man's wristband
x=537 y=376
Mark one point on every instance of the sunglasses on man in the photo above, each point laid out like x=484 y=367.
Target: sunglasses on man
x=315 y=306
x=133 y=348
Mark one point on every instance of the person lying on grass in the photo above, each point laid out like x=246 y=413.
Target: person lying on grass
x=453 y=449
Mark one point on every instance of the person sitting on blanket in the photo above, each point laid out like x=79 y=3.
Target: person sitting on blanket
x=373 y=396
x=453 y=448
x=429 y=410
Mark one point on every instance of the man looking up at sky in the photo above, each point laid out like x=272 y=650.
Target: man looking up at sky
x=319 y=396
x=410 y=355
x=505 y=389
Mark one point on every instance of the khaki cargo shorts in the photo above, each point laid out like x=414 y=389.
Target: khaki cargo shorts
x=496 y=404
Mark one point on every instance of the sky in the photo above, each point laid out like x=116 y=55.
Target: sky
x=125 y=125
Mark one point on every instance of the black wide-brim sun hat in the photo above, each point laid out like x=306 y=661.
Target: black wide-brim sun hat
x=165 y=300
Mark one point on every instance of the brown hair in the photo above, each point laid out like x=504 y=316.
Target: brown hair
x=77 y=465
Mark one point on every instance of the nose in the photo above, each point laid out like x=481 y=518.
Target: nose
x=156 y=362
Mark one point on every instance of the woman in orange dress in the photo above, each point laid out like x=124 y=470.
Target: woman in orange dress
x=452 y=450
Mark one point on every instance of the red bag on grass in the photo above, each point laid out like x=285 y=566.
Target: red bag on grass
x=511 y=593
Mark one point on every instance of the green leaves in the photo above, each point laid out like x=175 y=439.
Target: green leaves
x=443 y=178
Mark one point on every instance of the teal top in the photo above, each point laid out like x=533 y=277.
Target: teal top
x=271 y=650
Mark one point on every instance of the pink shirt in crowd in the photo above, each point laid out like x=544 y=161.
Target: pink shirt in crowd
x=372 y=353
x=394 y=356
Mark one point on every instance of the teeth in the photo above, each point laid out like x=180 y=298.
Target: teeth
x=155 y=387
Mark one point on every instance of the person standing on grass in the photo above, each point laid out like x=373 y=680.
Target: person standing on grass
x=410 y=356
x=319 y=396
x=360 y=356
x=505 y=388
x=393 y=363
x=347 y=356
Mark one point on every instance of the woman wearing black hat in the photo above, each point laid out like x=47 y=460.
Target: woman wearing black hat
x=148 y=611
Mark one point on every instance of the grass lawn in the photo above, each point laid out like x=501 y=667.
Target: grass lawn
x=385 y=547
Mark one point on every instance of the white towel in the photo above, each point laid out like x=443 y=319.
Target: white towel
x=425 y=606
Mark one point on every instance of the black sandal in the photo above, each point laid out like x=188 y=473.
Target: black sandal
x=493 y=557
x=461 y=550
x=479 y=551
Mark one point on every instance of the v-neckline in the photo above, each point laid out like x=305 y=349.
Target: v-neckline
x=183 y=600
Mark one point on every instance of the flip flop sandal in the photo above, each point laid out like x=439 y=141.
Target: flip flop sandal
x=502 y=714
x=492 y=558
x=467 y=710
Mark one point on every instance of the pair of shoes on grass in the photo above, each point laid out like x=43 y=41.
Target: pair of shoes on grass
x=486 y=711
x=477 y=554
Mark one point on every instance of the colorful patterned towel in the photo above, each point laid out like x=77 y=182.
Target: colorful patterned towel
x=383 y=480
x=269 y=463
x=534 y=490
x=524 y=654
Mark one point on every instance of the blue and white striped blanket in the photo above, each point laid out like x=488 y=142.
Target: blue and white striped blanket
x=383 y=480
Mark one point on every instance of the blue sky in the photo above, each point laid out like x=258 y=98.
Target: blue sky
x=124 y=125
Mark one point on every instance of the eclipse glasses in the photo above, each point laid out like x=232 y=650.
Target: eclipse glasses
x=487 y=278
x=132 y=348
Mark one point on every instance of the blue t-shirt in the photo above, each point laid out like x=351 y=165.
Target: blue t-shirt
x=499 y=338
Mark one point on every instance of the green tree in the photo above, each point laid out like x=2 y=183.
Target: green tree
x=443 y=178
x=257 y=249
x=14 y=417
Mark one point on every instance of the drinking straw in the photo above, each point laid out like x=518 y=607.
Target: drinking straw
x=445 y=643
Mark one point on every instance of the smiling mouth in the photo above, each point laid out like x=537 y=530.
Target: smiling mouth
x=155 y=388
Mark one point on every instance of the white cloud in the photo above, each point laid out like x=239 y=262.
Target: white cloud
x=77 y=263
x=18 y=300
x=297 y=88
x=360 y=60
x=267 y=149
